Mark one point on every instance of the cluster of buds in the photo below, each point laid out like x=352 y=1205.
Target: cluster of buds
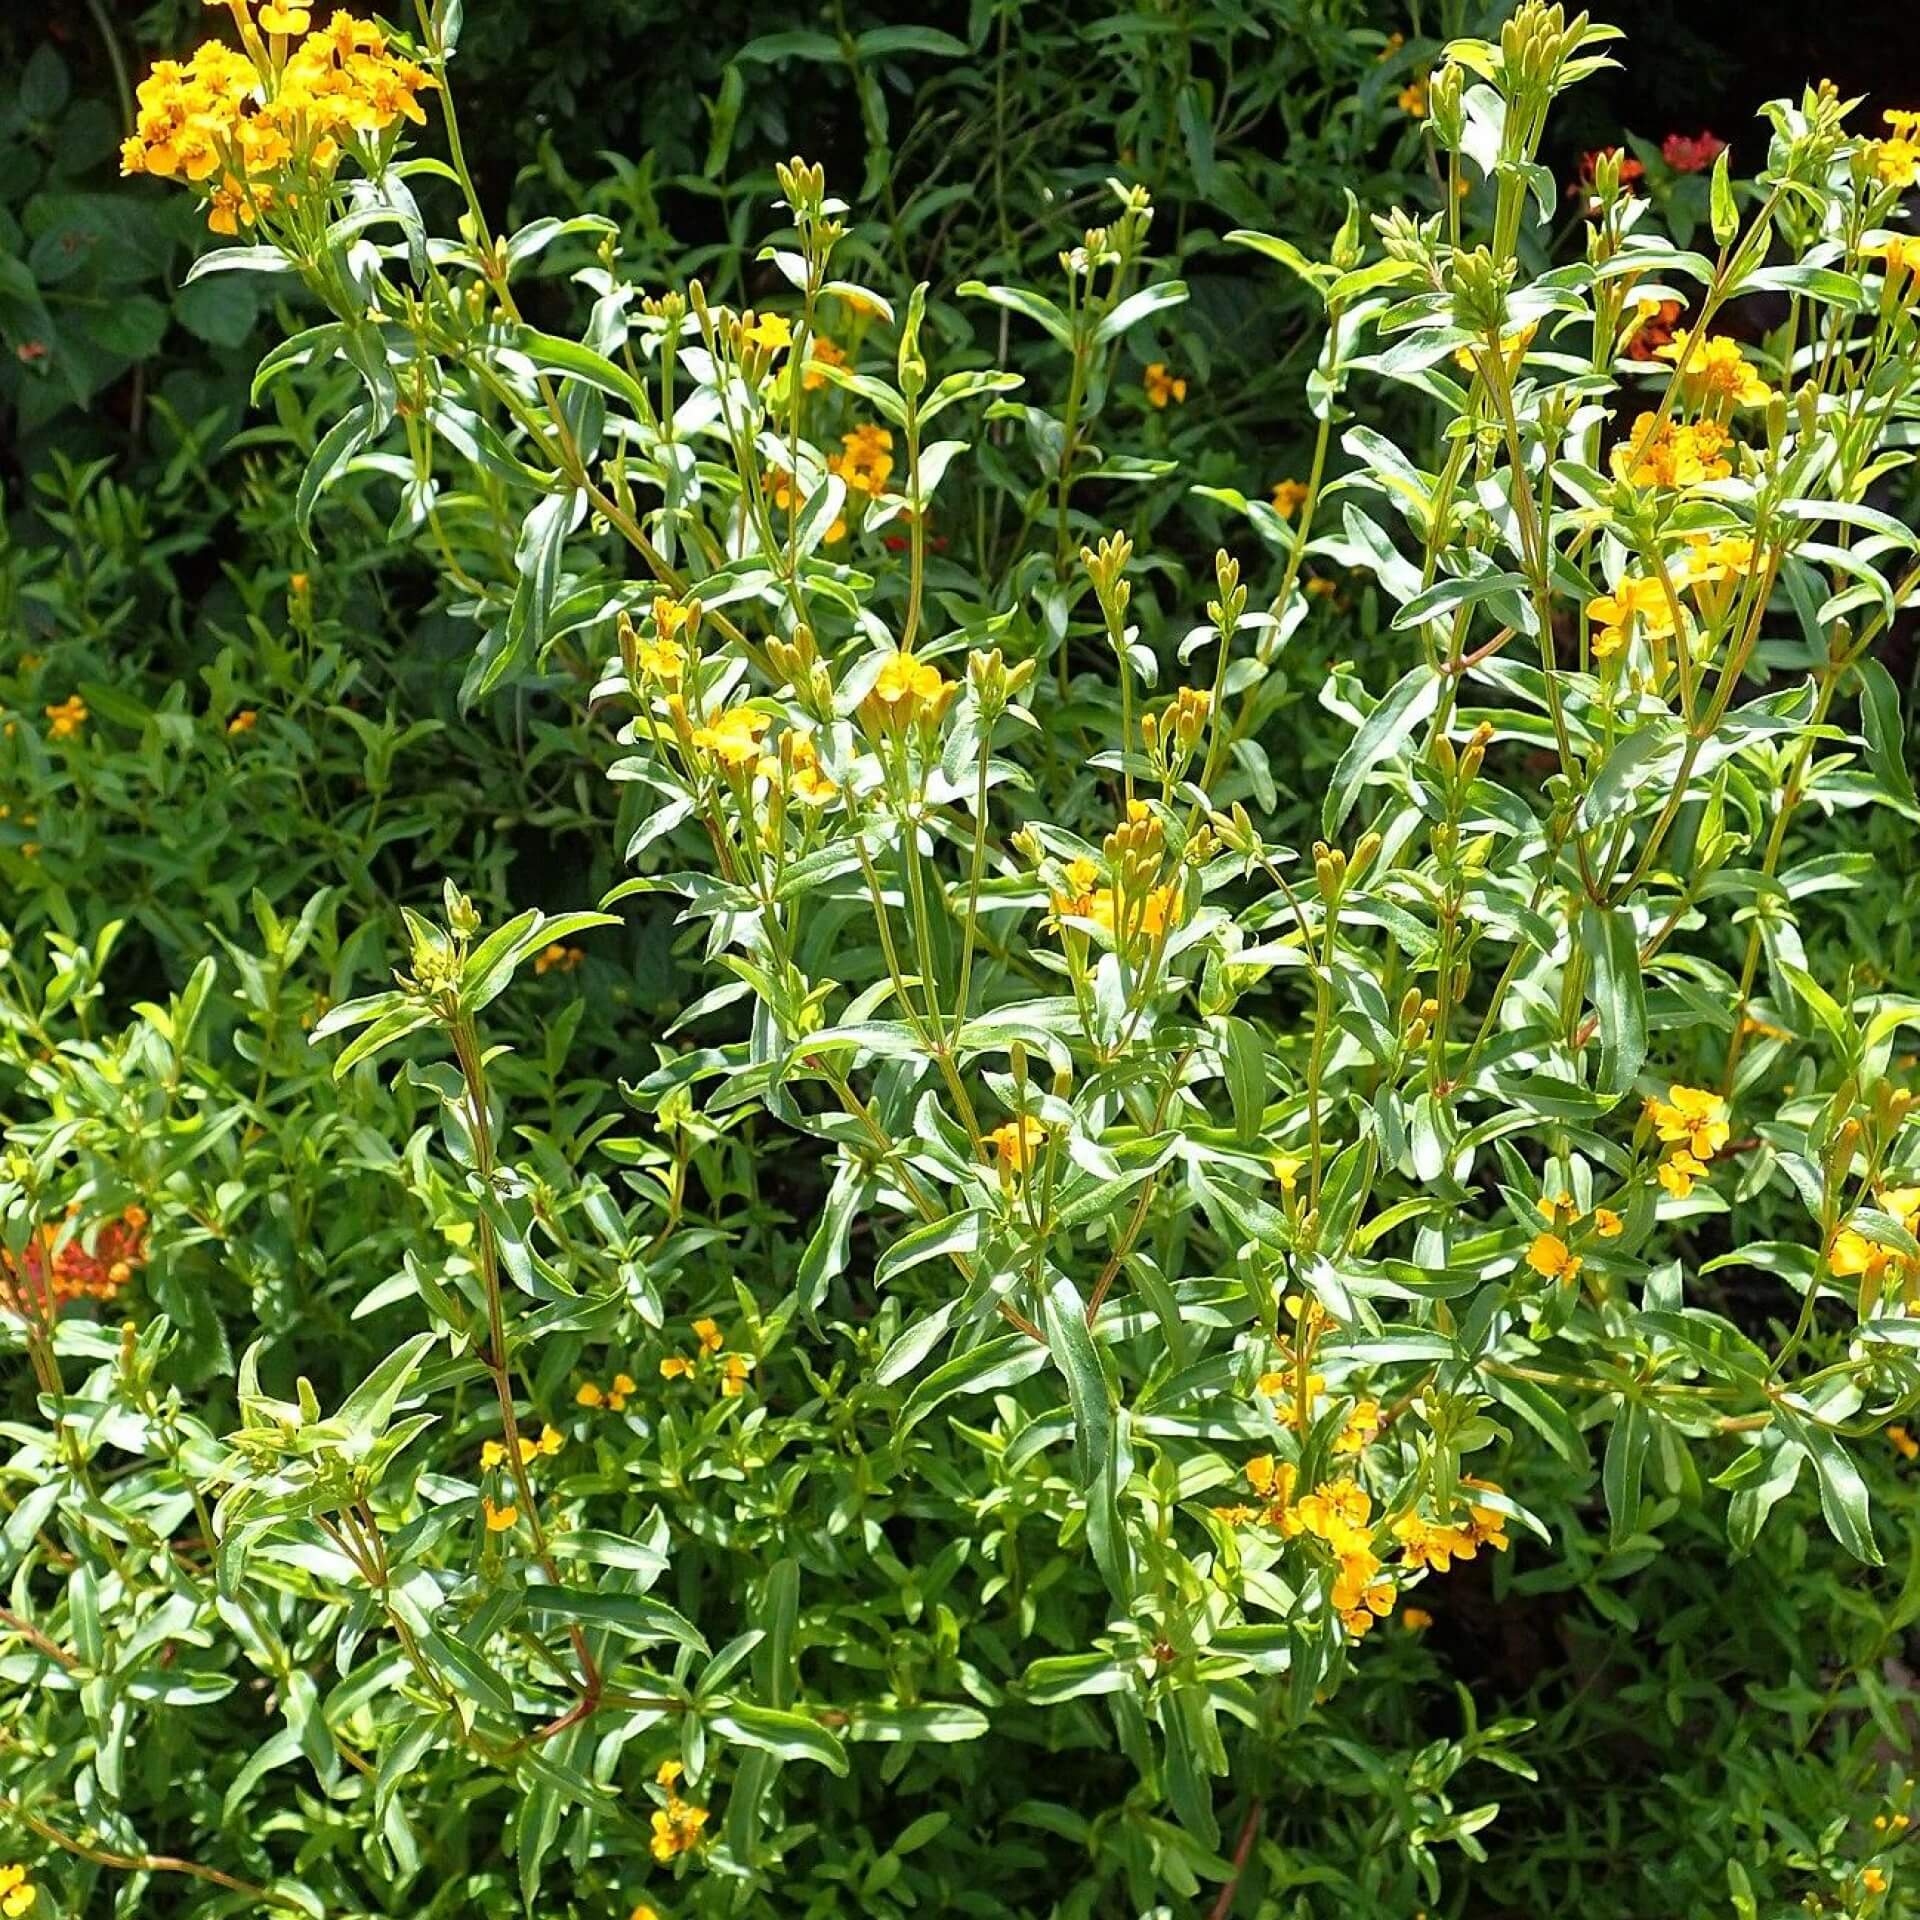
x=1537 y=48
x=1174 y=734
x=1106 y=567
x=994 y=684
x=798 y=663
x=1334 y=872
x=1226 y=611
x=1418 y=1012
x=1478 y=284
x=438 y=955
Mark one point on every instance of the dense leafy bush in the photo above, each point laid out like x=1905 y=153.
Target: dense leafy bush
x=701 y=1218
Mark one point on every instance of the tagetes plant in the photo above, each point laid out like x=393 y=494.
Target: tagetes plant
x=1264 y=1227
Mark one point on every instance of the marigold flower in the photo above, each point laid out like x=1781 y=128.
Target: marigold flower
x=1287 y=496
x=1873 y=1880
x=907 y=691
x=1896 y=160
x=1903 y=1443
x=1666 y=454
x=1163 y=387
x=588 y=1395
x=733 y=1375
x=821 y=352
x=17 y=1893
x=244 y=721
x=865 y=459
x=1552 y=1258
x=1361 y=1430
x=1607 y=1223
x=67 y=718
x=1582 y=184
x=733 y=736
x=558 y=959
x=1415 y=1619
x=493 y=1455
x=1016 y=1144
x=1715 y=375
x=499 y=1519
x=676 y=1366
x=1694 y=1117
x=770 y=332
x=1678 y=1171
x=1637 y=604
x=708 y=1333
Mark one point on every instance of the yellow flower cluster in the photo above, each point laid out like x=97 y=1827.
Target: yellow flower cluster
x=1646 y=603
x=17 y=1893
x=1550 y=1256
x=1692 y=1124
x=908 y=692
x=808 y=781
x=1340 y=1516
x=865 y=459
x=679 y=1826
x=734 y=1368
x=1083 y=898
x=1716 y=376
x=493 y=1457
x=1662 y=453
x=1896 y=159
x=265 y=124
x=1853 y=1256
x=613 y=1396
x=558 y=959
x=732 y=737
x=1016 y=1145
x=1164 y=388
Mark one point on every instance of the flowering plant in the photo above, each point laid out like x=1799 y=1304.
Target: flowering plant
x=1214 y=1245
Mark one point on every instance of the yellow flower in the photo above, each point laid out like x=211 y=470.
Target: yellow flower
x=557 y=959
x=551 y=1440
x=1423 y=1543
x=1413 y=99
x=1694 y=1118
x=1873 y=1879
x=1163 y=387
x=588 y=1395
x=1903 y=1443
x=493 y=1454
x=499 y=1519
x=1286 y=1169
x=676 y=1366
x=662 y=660
x=865 y=459
x=771 y=332
x=1552 y=1258
x=1287 y=496
x=1716 y=375
x=244 y=721
x=677 y=1829
x=1901 y=254
x=1897 y=159
x=708 y=1333
x=1557 y=1210
x=733 y=736
x=1635 y=602
x=276 y=19
x=1513 y=350
x=1666 y=454
x=1361 y=1430
x=643 y=1912
x=1415 y=1619
x=733 y=1375
x=17 y=1895
x=1016 y=1144
x=821 y=352
x=67 y=718
x=907 y=690
x=1607 y=1223
x=810 y=782
x=1678 y=1171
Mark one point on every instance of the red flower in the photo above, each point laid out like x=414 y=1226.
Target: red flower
x=1693 y=154
x=49 y=1275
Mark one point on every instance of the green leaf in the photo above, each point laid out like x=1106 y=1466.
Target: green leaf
x=1725 y=215
x=1245 y=1054
x=1843 y=1493
x=1621 y=1472
x=1070 y=1341
x=1137 y=306
x=1617 y=989
x=1383 y=732
x=786 y=1735
x=1032 y=306
x=1886 y=736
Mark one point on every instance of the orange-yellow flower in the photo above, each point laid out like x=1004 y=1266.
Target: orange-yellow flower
x=1163 y=387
